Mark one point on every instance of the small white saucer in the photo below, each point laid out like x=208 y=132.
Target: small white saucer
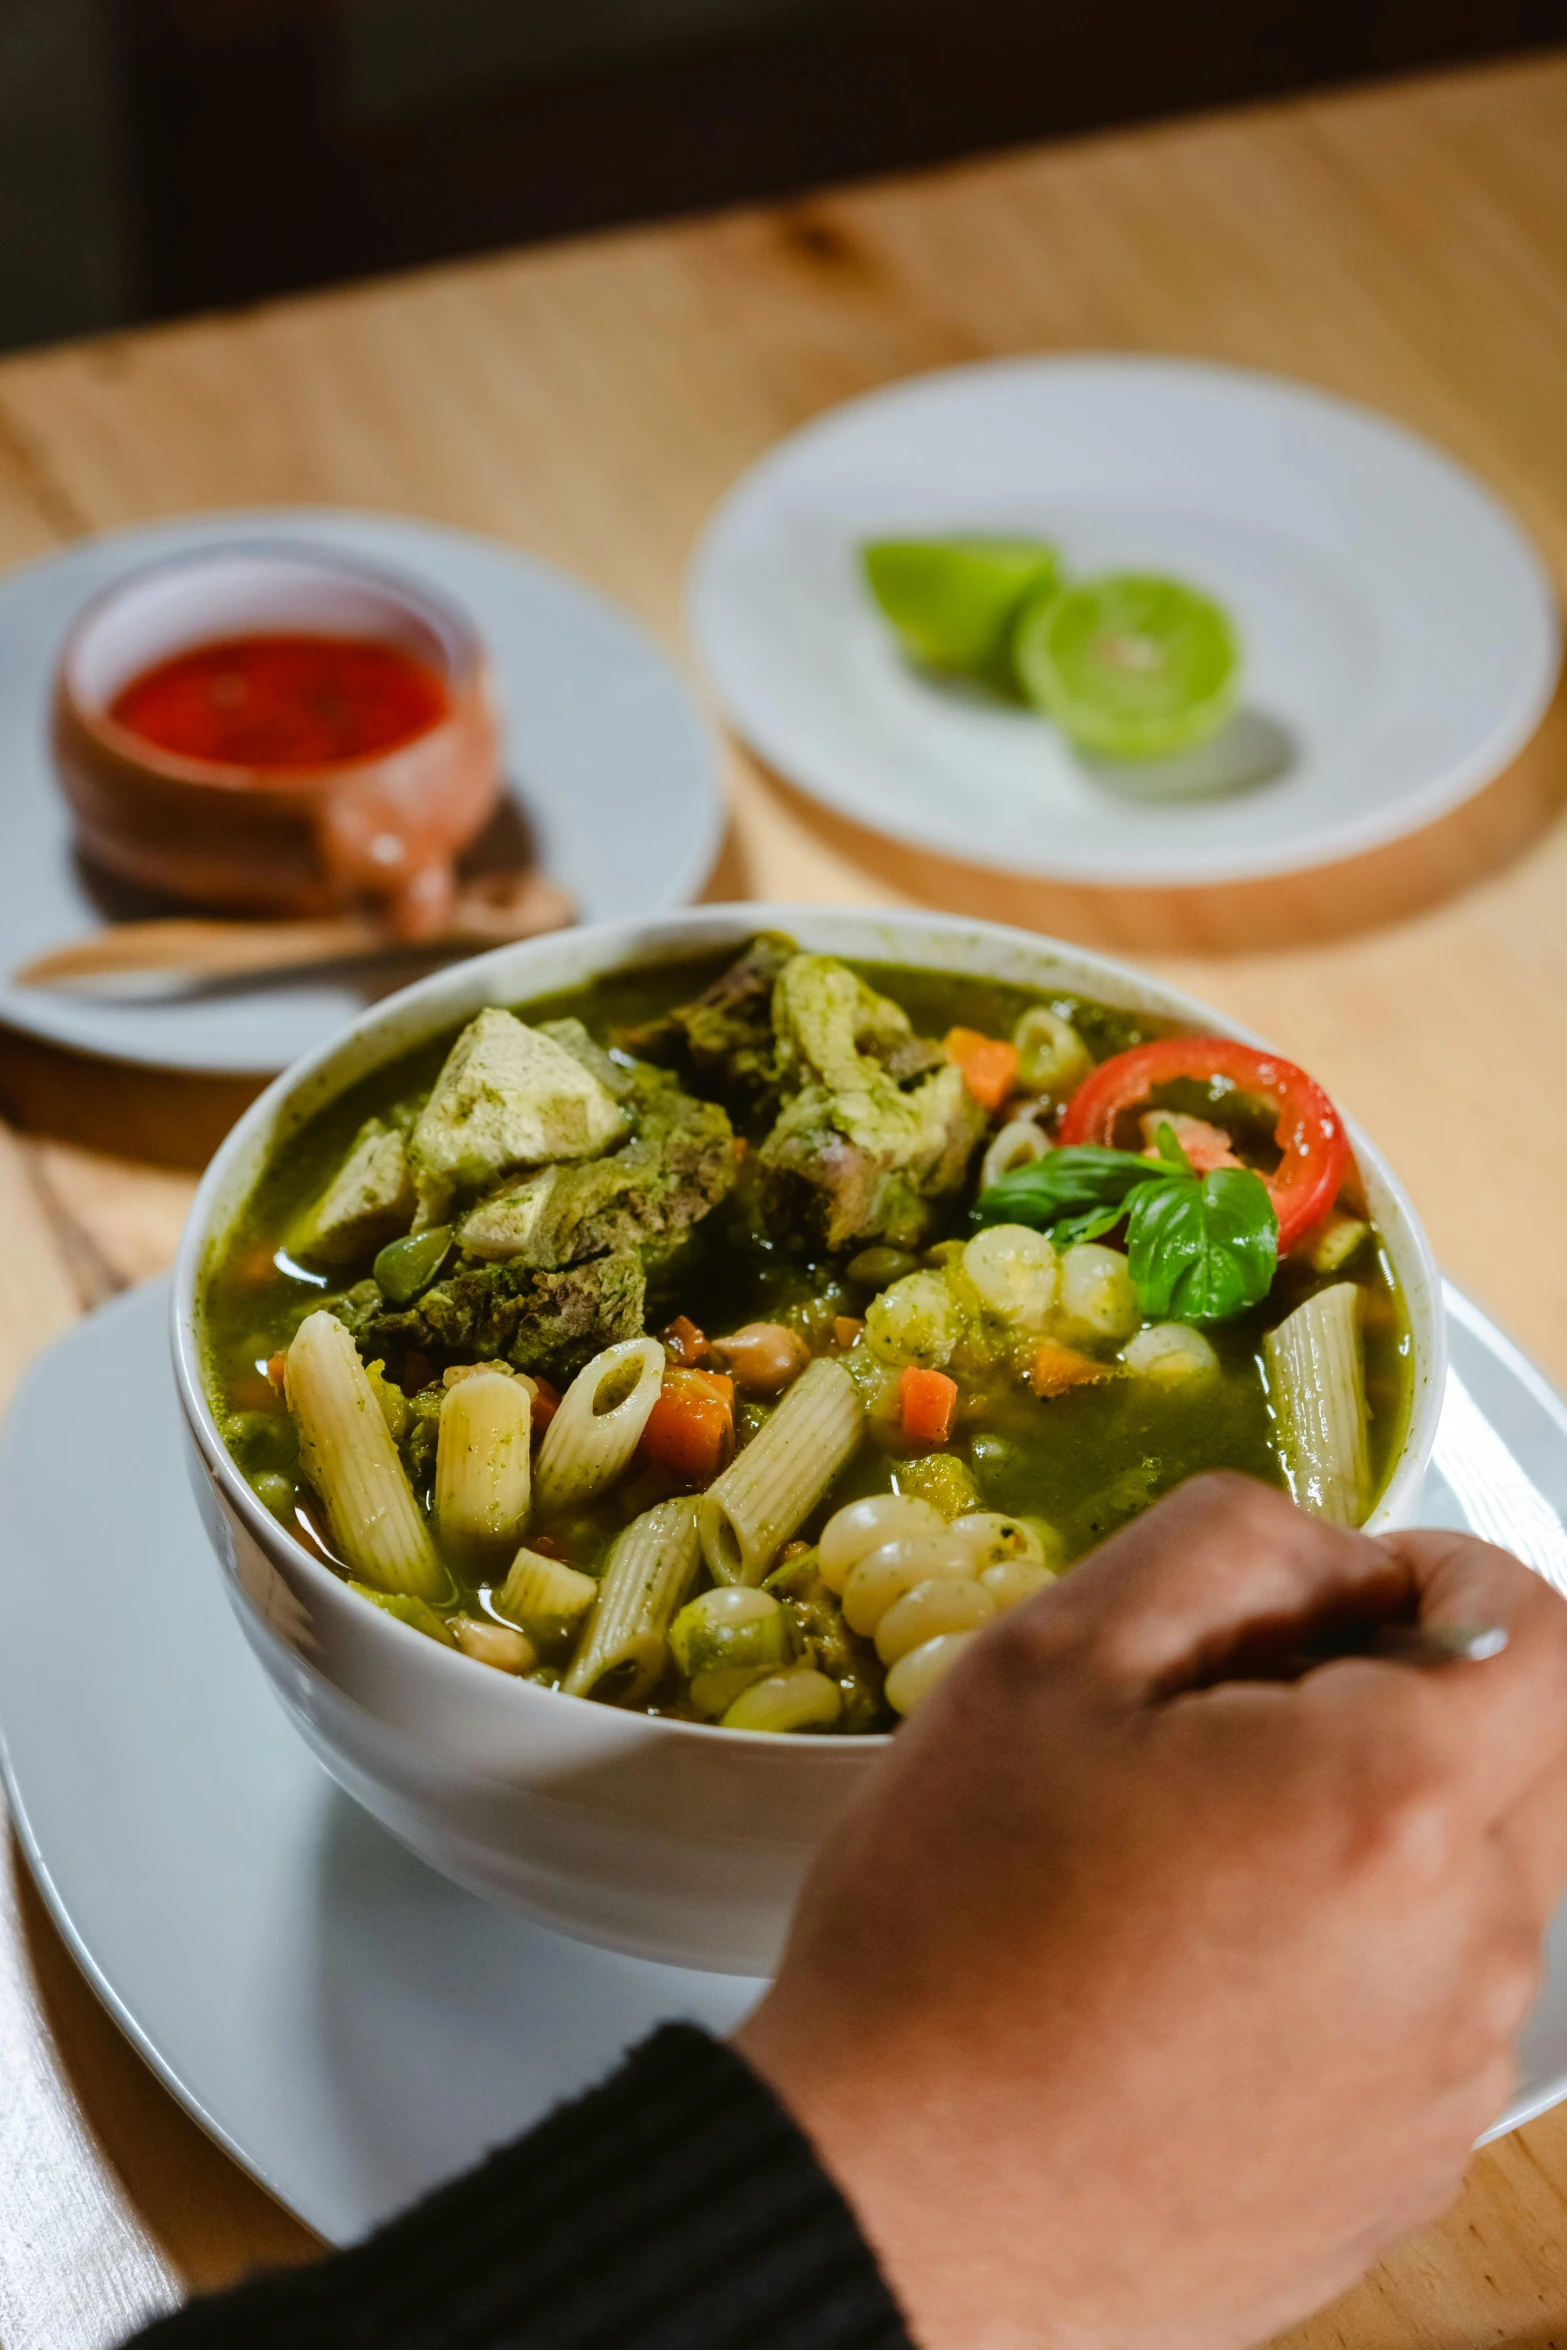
x=1400 y=633
x=349 y=2025
x=610 y=762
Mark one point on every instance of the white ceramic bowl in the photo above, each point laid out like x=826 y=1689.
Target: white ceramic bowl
x=668 y=1839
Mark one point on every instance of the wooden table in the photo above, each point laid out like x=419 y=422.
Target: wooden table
x=1406 y=247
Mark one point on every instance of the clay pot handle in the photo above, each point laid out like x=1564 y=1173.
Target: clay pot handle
x=422 y=906
x=367 y=852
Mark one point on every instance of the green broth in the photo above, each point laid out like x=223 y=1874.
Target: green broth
x=1086 y=1461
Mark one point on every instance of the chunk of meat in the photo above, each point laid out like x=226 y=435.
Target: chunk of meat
x=618 y=1077
x=508 y=1096
x=830 y=1024
x=725 y=1036
x=869 y=1162
x=678 y=1165
x=857 y=1155
x=369 y=1201
x=547 y=1322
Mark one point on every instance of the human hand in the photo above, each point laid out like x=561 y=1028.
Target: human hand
x=1135 y=2005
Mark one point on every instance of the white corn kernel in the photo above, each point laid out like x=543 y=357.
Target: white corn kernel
x=883 y=1575
x=915 y=1321
x=1096 y=1297
x=864 y=1525
x=989 y=1535
x=914 y=1676
x=946 y=1603
x=1014 y=1271
x=1170 y=1353
x=800 y=1700
x=1011 y=1581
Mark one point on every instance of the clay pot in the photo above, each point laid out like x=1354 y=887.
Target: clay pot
x=288 y=841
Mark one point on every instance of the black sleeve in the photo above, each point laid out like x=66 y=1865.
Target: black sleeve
x=675 y=2207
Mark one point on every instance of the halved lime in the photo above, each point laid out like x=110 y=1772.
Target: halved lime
x=1130 y=664
x=954 y=602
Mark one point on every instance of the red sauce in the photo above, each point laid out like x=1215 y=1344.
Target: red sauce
x=282 y=701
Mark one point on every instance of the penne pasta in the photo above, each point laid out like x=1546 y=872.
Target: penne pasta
x=349 y=1457
x=599 y=1424
x=1018 y=1144
x=760 y=1500
x=483 y=1469
x=1316 y=1385
x=546 y=1598
x=626 y=1645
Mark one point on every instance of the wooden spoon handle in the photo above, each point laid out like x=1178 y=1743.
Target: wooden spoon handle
x=192 y=948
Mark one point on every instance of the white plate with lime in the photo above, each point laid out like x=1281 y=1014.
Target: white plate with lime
x=1393 y=636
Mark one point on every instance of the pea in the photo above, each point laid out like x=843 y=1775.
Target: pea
x=1001 y=1467
x=878 y=1268
x=263 y=1440
x=274 y=1493
x=405 y=1267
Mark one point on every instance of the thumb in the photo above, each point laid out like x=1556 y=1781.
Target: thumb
x=1223 y=1574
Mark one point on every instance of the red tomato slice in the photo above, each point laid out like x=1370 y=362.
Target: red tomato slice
x=1309 y=1132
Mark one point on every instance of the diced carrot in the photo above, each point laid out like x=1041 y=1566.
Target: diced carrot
x=546 y=1403
x=252 y=1390
x=846 y=1329
x=277 y=1367
x=690 y=1432
x=255 y=1266
x=683 y=1341
x=1055 y=1369
x=988 y=1063
x=926 y=1403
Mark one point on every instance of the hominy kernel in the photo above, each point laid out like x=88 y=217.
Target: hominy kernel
x=914 y=1676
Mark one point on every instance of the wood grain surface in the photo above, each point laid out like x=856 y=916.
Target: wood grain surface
x=1406 y=247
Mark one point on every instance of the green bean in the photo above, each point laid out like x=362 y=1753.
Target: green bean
x=406 y=1267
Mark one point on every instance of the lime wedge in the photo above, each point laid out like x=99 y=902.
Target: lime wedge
x=1130 y=664
x=954 y=602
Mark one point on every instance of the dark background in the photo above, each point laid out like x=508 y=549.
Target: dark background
x=160 y=156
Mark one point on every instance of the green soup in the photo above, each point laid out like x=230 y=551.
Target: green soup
x=791 y=1144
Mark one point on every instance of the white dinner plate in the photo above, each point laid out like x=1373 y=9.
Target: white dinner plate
x=348 y=2024
x=608 y=758
x=1401 y=638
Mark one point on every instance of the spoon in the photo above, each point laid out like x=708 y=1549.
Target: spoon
x=1406 y=1644
x=156 y=957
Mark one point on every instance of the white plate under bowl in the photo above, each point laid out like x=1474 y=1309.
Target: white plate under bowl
x=1401 y=637
x=351 y=2026
x=607 y=755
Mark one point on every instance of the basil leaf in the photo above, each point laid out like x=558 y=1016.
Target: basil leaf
x=1168 y=1145
x=1202 y=1248
x=1066 y=1183
x=1092 y=1224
